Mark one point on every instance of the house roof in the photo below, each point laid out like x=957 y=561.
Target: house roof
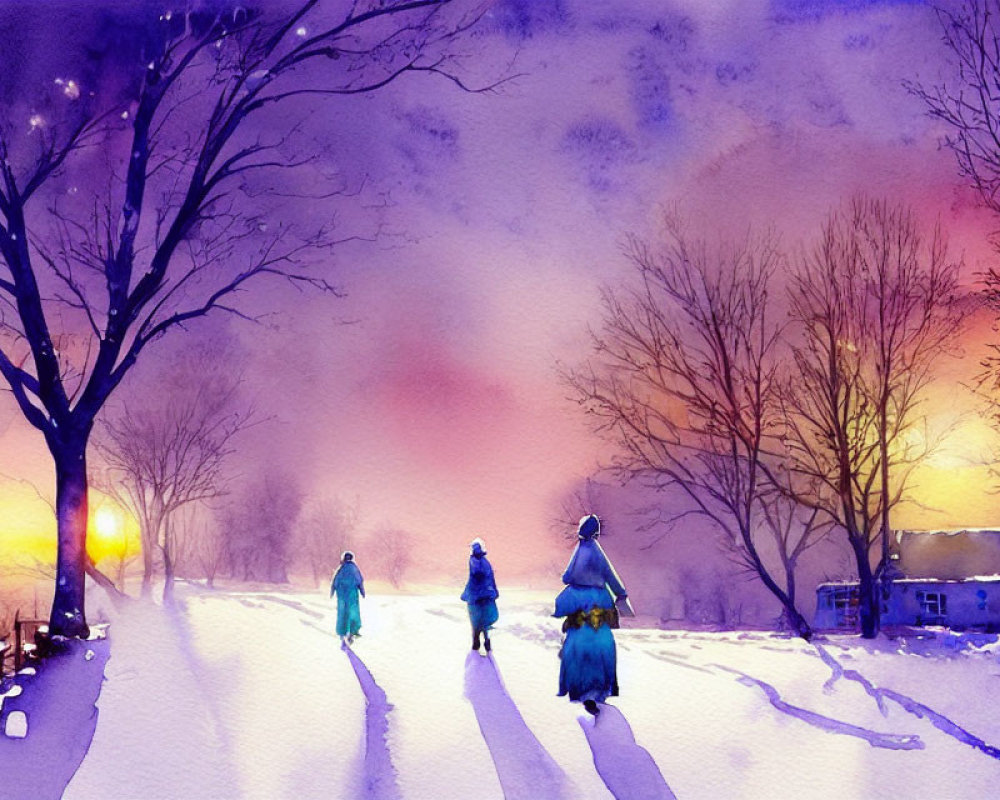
x=946 y=531
x=973 y=579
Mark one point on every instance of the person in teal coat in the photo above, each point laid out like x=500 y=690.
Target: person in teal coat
x=347 y=584
x=588 y=660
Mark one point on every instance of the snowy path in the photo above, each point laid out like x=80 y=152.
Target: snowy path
x=251 y=696
x=156 y=736
x=418 y=655
x=293 y=707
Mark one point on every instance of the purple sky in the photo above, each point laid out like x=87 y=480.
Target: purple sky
x=430 y=393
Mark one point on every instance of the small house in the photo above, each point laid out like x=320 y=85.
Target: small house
x=964 y=603
x=946 y=577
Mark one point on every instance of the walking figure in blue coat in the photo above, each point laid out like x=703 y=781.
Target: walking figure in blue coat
x=481 y=595
x=347 y=584
x=588 y=661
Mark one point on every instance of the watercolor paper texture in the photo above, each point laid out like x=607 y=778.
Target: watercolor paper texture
x=288 y=280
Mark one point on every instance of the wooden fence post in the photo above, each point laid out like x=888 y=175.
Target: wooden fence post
x=17 y=640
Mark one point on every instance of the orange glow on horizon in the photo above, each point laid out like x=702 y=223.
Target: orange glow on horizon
x=112 y=531
x=30 y=526
x=950 y=497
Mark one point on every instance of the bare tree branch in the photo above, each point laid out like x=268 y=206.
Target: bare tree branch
x=684 y=378
x=171 y=233
x=876 y=305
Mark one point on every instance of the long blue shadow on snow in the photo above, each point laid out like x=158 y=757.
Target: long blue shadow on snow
x=379 y=776
x=524 y=766
x=179 y=619
x=888 y=741
x=918 y=709
x=60 y=705
x=628 y=770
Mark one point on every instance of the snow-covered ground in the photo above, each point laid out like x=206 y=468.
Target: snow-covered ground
x=249 y=695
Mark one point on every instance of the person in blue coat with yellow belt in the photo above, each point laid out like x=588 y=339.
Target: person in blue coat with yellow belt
x=347 y=584
x=588 y=660
x=480 y=595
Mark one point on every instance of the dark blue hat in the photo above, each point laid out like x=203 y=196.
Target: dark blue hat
x=478 y=547
x=590 y=526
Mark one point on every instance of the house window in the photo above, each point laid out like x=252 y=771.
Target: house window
x=844 y=602
x=933 y=604
x=844 y=598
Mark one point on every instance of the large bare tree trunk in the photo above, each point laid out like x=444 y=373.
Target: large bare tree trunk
x=169 y=562
x=151 y=525
x=168 y=579
x=147 y=562
x=68 y=615
x=796 y=621
x=869 y=604
x=793 y=616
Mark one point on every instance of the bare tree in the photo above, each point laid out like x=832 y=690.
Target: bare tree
x=969 y=105
x=28 y=566
x=200 y=548
x=322 y=535
x=684 y=377
x=710 y=597
x=257 y=528
x=391 y=552
x=167 y=449
x=174 y=229
x=794 y=529
x=575 y=505
x=876 y=306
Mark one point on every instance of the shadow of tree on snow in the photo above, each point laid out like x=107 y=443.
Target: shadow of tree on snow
x=888 y=741
x=59 y=702
x=880 y=696
x=918 y=709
